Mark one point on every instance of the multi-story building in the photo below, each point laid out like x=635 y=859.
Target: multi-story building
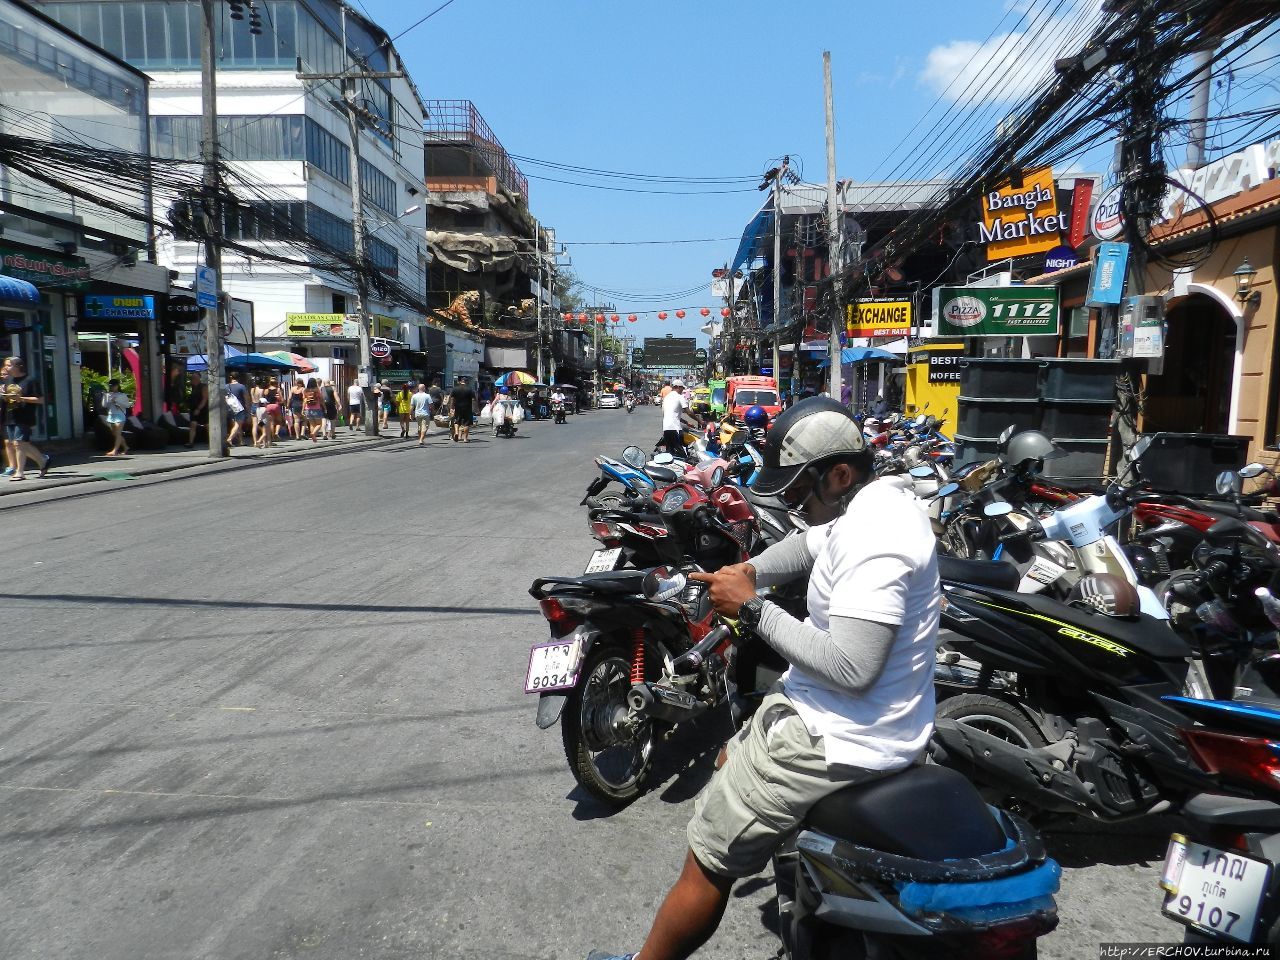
x=80 y=293
x=290 y=139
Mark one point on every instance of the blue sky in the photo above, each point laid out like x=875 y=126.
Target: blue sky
x=712 y=89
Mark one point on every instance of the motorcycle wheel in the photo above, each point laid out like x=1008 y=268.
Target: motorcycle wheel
x=993 y=716
x=609 y=766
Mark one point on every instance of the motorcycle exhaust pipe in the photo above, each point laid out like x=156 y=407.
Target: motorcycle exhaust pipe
x=664 y=703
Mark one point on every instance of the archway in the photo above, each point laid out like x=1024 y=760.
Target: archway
x=1194 y=392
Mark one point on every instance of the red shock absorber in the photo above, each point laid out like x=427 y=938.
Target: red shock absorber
x=637 y=656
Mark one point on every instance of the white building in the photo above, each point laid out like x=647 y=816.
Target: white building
x=290 y=141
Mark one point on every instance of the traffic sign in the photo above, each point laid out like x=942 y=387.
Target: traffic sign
x=607 y=359
x=207 y=288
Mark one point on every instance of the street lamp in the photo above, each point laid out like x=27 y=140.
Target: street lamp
x=1244 y=275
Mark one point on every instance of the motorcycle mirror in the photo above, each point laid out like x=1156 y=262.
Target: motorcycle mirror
x=1003 y=443
x=997 y=508
x=922 y=472
x=717 y=476
x=1252 y=470
x=634 y=457
x=662 y=459
x=740 y=436
x=948 y=489
x=663 y=583
x=1228 y=483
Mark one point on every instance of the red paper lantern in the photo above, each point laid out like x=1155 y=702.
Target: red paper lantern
x=582 y=318
x=705 y=312
x=680 y=314
x=599 y=318
x=568 y=317
x=724 y=311
x=631 y=318
x=662 y=316
x=613 y=318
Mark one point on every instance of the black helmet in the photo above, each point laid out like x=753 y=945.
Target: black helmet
x=1029 y=446
x=813 y=431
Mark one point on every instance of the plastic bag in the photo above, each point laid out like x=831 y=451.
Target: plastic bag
x=517 y=414
x=486 y=416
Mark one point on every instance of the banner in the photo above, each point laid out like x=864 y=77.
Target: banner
x=320 y=325
x=878 y=317
x=944 y=366
x=44 y=269
x=997 y=311
x=111 y=307
x=1106 y=279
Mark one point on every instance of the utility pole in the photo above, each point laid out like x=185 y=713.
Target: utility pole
x=349 y=79
x=1199 y=116
x=212 y=212
x=537 y=253
x=834 y=229
x=777 y=263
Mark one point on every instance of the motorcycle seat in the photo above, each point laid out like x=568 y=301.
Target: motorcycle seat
x=1150 y=636
x=610 y=581
x=661 y=474
x=927 y=812
x=983 y=573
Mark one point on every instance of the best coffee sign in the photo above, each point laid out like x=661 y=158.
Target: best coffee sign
x=1017 y=221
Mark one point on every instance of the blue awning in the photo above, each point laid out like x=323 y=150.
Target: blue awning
x=13 y=290
x=862 y=355
x=747 y=252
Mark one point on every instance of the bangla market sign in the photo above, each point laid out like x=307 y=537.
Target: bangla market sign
x=997 y=311
x=1023 y=220
x=878 y=318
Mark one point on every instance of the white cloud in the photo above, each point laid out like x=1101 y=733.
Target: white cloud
x=1009 y=66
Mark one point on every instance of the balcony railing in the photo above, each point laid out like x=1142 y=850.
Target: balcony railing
x=458 y=123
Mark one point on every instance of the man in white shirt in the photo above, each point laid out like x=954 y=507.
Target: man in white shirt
x=420 y=407
x=857 y=703
x=673 y=405
x=355 y=405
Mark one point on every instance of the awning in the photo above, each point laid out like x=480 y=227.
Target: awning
x=759 y=224
x=13 y=290
x=862 y=355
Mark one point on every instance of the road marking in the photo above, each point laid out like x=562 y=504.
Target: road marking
x=244 y=709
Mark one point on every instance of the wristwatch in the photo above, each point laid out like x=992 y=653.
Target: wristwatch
x=749 y=613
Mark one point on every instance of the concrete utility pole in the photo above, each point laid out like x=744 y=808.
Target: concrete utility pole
x=349 y=79
x=834 y=228
x=777 y=264
x=537 y=301
x=211 y=210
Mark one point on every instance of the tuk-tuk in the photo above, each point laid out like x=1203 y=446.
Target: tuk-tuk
x=570 y=397
x=718 y=403
x=700 y=402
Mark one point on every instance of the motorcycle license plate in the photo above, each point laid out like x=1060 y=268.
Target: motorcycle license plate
x=1213 y=890
x=603 y=560
x=552 y=666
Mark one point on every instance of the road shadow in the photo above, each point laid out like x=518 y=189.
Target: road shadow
x=307 y=607
x=1084 y=843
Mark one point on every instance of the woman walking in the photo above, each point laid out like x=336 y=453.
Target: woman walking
x=118 y=405
x=273 y=418
x=295 y=409
x=404 y=408
x=329 y=396
x=312 y=409
x=258 y=424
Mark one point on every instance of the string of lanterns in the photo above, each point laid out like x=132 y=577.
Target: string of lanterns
x=632 y=318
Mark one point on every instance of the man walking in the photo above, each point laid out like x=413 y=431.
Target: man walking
x=420 y=407
x=197 y=407
x=463 y=401
x=355 y=404
x=437 y=396
x=673 y=407
x=22 y=398
x=238 y=418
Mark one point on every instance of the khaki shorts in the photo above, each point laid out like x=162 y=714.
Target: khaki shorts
x=776 y=771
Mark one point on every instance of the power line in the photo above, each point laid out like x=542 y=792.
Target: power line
x=638 y=243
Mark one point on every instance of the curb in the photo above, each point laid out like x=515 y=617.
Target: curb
x=73 y=486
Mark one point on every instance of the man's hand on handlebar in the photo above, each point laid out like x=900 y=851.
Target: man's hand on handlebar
x=731 y=587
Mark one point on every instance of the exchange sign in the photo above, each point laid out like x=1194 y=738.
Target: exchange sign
x=879 y=318
x=997 y=311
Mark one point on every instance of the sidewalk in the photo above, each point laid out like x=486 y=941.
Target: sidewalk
x=74 y=463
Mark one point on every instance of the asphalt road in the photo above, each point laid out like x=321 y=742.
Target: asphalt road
x=278 y=712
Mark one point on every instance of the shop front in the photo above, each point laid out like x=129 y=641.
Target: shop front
x=117 y=336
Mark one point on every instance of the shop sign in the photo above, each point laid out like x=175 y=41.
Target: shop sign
x=700 y=355
x=1060 y=258
x=1016 y=222
x=320 y=325
x=944 y=366
x=607 y=360
x=997 y=311
x=108 y=307
x=380 y=349
x=67 y=273
x=1106 y=281
x=879 y=317
x=1108 y=216
x=1081 y=198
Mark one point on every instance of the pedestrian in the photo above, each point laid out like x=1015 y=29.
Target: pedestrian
x=312 y=409
x=437 y=395
x=404 y=408
x=197 y=408
x=259 y=411
x=295 y=409
x=462 y=403
x=329 y=396
x=273 y=419
x=22 y=398
x=117 y=405
x=384 y=402
x=421 y=407
x=355 y=405
x=4 y=445
x=673 y=407
x=236 y=389
x=857 y=704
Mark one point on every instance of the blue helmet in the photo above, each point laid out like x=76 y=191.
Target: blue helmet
x=504 y=389
x=756 y=417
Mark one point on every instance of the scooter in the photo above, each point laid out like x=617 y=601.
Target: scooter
x=630 y=404
x=557 y=407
